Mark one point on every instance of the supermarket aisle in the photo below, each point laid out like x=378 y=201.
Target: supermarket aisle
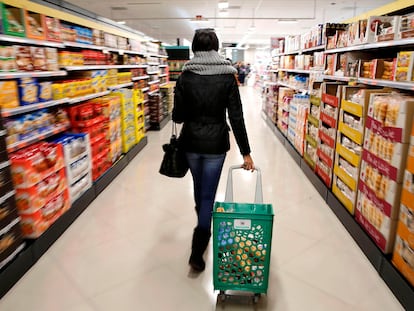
x=129 y=249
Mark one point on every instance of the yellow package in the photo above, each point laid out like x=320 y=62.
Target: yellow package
x=57 y=91
x=9 y=97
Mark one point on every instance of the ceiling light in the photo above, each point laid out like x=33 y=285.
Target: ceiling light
x=121 y=22
x=252 y=29
x=223 y=4
x=287 y=21
x=223 y=13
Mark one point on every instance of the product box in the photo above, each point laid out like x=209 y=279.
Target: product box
x=7 y=59
x=99 y=146
x=11 y=242
x=384 y=193
x=33 y=164
x=28 y=91
x=404 y=66
x=79 y=168
x=403 y=259
x=406 y=225
x=346 y=195
x=113 y=130
x=395 y=173
x=388 y=28
x=351 y=126
x=23 y=56
x=75 y=146
x=393 y=114
x=45 y=91
x=35 y=25
x=394 y=153
x=377 y=69
x=9 y=95
x=324 y=172
x=33 y=225
x=347 y=172
x=381 y=28
x=331 y=64
x=12 y=20
x=407 y=26
x=29 y=200
x=410 y=159
x=380 y=228
x=80 y=186
x=97 y=37
x=115 y=149
x=110 y=40
x=39 y=60
x=52 y=26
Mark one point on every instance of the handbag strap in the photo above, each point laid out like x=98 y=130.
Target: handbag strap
x=174 y=131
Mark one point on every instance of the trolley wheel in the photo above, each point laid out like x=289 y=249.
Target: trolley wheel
x=222 y=296
x=256 y=298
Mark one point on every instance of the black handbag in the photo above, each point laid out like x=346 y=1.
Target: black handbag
x=174 y=162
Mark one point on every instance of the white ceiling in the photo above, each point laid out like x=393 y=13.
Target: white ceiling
x=167 y=20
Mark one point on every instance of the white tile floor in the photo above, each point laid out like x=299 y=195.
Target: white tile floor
x=129 y=249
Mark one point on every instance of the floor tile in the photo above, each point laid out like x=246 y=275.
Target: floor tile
x=45 y=287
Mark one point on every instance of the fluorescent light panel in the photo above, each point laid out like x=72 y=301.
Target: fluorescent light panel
x=223 y=13
x=223 y=4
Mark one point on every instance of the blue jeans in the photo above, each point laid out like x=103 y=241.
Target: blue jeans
x=206 y=171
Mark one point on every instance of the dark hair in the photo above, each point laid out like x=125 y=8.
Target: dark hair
x=205 y=40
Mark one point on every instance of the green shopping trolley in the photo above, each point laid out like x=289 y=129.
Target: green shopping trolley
x=242 y=237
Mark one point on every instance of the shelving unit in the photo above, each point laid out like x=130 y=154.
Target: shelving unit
x=391 y=276
x=347 y=142
x=35 y=248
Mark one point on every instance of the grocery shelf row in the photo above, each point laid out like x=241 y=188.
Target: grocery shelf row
x=397 y=283
x=34 y=249
x=374 y=82
x=64 y=44
x=32 y=74
x=372 y=46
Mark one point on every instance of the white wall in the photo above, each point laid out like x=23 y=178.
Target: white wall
x=250 y=56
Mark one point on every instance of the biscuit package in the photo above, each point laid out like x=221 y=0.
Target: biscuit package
x=379 y=226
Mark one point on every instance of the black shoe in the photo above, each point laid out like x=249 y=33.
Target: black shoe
x=197 y=263
x=200 y=241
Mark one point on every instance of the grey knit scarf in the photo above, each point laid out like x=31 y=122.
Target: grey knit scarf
x=209 y=63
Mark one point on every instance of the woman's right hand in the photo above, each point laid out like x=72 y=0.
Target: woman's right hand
x=248 y=163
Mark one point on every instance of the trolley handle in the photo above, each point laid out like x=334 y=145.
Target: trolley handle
x=258 y=198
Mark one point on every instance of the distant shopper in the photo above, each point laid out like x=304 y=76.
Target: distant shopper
x=242 y=72
x=204 y=92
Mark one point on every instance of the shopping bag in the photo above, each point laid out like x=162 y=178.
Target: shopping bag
x=174 y=162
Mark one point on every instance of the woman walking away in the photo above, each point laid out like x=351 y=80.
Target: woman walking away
x=205 y=91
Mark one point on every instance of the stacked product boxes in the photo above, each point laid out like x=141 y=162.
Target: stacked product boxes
x=78 y=163
x=128 y=125
x=403 y=257
x=328 y=123
x=386 y=142
x=312 y=126
x=285 y=96
x=138 y=98
x=89 y=118
x=39 y=177
x=298 y=112
x=351 y=128
x=110 y=109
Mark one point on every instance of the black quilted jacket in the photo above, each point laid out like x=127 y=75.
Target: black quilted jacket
x=201 y=103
